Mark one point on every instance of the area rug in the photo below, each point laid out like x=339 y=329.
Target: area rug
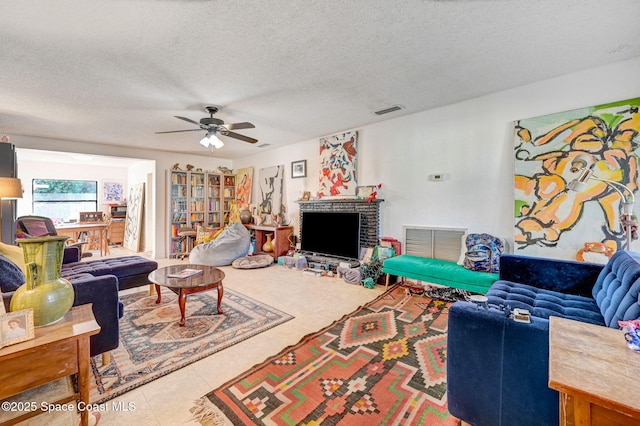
x=448 y=294
x=152 y=343
x=384 y=364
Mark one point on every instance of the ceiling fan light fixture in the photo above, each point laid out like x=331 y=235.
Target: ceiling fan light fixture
x=215 y=141
x=214 y=125
x=205 y=141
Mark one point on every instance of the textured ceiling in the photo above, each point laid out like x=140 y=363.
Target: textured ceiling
x=115 y=71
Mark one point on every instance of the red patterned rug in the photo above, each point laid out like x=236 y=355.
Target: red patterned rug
x=152 y=343
x=385 y=363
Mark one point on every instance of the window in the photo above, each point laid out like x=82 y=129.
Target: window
x=63 y=200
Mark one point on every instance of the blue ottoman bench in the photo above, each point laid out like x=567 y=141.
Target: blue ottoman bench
x=131 y=271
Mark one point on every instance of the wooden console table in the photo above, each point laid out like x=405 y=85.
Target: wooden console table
x=280 y=239
x=57 y=351
x=595 y=373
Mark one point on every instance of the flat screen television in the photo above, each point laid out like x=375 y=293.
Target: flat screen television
x=334 y=234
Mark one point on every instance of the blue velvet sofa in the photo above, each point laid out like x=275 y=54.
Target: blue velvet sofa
x=97 y=282
x=497 y=368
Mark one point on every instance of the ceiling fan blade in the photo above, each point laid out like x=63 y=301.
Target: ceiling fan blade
x=202 y=126
x=238 y=126
x=177 y=131
x=239 y=136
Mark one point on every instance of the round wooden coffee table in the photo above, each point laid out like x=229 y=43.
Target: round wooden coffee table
x=208 y=279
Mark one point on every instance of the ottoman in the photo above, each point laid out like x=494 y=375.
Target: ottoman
x=131 y=271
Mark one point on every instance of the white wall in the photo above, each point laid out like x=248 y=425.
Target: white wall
x=471 y=142
x=156 y=228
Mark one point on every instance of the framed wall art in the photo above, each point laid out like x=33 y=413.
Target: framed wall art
x=244 y=184
x=133 y=223
x=552 y=219
x=299 y=169
x=271 y=190
x=338 y=155
x=365 y=191
x=112 y=192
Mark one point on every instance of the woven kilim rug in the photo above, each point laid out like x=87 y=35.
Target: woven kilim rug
x=152 y=343
x=384 y=364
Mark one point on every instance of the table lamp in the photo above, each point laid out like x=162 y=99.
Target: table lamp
x=10 y=189
x=581 y=164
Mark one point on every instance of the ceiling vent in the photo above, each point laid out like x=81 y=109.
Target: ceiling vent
x=388 y=110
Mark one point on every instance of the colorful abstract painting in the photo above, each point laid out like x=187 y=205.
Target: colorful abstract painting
x=338 y=156
x=112 y=192
x=270 y=182
x=244 y=182
x=133 y=223
x=552 y=220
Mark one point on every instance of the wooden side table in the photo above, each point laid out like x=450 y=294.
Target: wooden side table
x=57 y=351
x=280 y=240
x=595 y=373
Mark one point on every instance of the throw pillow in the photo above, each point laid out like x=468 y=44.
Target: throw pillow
x=11 y=277
x=14 y=254
x=204 y=234
x=483 y=252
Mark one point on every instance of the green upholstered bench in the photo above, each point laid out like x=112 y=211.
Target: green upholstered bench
x=431 y=255
x=437 y=271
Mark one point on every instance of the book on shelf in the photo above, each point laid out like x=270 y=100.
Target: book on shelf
x=185 y=273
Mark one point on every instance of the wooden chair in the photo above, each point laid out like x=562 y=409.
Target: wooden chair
x=94 y=239
x=104 y=238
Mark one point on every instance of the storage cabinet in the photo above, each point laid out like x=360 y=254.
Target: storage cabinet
x=116 y=229
x=280 y=236
x=196 y=198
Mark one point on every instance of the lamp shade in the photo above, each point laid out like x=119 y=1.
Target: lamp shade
x=215 y=141
x=10 y=188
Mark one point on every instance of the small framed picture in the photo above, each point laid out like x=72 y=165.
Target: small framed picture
x=306 y=195
x=364 y=192
x=16 y=327
x=299 y=169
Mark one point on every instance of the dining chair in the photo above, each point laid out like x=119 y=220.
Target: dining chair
x=41 y=226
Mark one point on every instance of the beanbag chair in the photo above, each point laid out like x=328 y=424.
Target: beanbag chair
x=232 y=243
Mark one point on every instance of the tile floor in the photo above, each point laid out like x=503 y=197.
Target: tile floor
x=314 y=301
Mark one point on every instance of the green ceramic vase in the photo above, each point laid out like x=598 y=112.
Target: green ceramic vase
x=49 y=295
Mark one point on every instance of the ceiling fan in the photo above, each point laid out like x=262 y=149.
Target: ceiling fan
x=214 y=126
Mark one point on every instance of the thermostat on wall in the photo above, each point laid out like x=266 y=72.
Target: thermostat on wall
x=438 y=177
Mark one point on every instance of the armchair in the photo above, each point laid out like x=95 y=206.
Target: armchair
x=40 y=226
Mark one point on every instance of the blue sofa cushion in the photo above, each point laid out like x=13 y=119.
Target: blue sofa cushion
x=617 y=291
x=121 y=267
x=11 y=276
x=543 y=303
